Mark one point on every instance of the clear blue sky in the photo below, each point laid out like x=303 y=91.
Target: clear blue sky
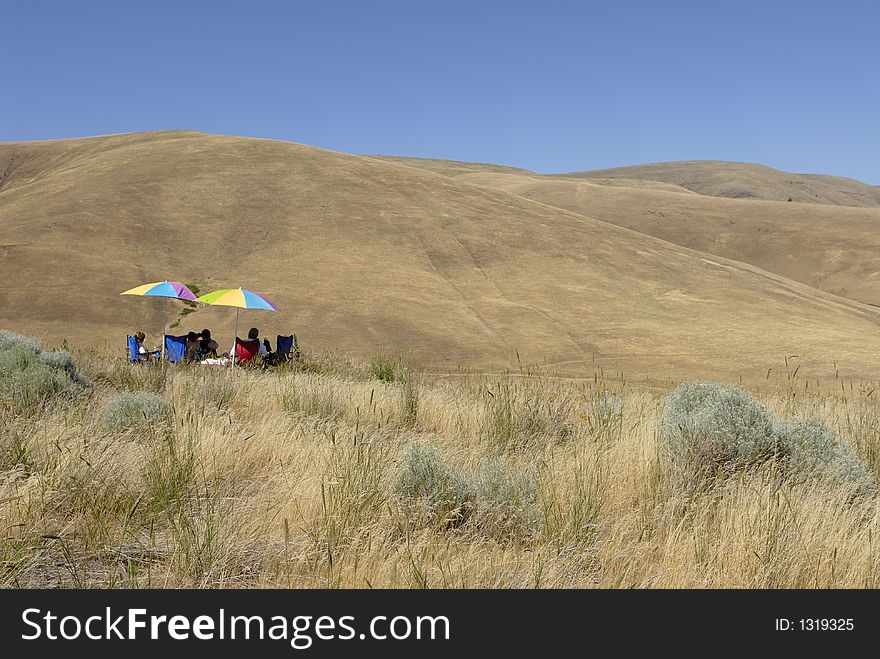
x=547 y=85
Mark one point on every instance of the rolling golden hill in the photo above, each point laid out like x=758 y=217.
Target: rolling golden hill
x=739 y=180
x=361 y=254
x=832 y=248
x=451 y=167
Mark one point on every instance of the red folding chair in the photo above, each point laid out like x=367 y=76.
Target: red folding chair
x=246 y=350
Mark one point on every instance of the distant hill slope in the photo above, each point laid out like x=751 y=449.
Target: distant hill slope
x=451 y=167
x=361 y=254
x=833 y=248
x=748 y=181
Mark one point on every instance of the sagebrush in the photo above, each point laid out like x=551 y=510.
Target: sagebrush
x=711 y=430
x=29 y=375
x=130 y=409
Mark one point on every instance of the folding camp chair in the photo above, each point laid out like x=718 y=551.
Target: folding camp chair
x=283 y=345
x=246 y=350
x=175 y=348
x=135 y=355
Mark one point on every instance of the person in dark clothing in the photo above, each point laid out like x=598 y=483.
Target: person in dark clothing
x=191 y=350
x=207 y=345
x=270 y=358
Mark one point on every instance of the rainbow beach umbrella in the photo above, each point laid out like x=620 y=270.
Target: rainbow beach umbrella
x=168 y=289
x=238 y=298
x=162 y=289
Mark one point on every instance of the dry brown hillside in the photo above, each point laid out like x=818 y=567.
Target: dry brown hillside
x=741 y=180
x=832 y=248
x=360 y=254
x=451 y=167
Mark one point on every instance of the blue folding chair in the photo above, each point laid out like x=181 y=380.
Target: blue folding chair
x=135 y=356
x=134 y=353
x=283 y=345
x=175 y=348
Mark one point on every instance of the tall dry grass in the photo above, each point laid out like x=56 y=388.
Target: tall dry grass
x=292 y=478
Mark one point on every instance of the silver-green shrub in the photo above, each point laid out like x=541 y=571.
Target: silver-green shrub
x=10 y=340
x=505 y=500
x=497 y=501
x=127 y=410
x=29 y=376
x=710 y=429
x=432 y=492
x=61 y=360
x=814 y=450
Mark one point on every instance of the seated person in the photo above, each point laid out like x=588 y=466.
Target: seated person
x=191 y=351
x=207 y=345
x=272 y=358
x=253 y=336
x=142 y=351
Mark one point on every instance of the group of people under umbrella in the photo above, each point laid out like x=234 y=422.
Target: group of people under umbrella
x=201 y=344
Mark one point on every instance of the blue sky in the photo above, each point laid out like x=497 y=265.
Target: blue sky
x=547 y=85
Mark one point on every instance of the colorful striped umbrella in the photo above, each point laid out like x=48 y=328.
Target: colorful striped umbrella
x=238 y=298
x=171 y=289
x=163 y=289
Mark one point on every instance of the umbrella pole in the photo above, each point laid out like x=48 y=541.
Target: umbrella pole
x=162 y=354
x=235 y=338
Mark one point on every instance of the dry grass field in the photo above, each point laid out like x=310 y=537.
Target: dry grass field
x=330 y=473
x=361 y=254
